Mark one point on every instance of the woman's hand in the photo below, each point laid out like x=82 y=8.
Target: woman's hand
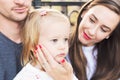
x=57 y=70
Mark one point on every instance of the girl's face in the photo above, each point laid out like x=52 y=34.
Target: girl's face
x=54 y=37
x=97 y=24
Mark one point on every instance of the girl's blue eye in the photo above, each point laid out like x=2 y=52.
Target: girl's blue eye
x=55 y=40
x=66 y=39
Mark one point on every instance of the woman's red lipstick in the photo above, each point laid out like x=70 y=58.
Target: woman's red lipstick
x=86 y=36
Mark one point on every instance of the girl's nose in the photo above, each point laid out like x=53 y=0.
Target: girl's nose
x=61 y=46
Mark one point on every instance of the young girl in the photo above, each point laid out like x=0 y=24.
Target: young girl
x=49 y=28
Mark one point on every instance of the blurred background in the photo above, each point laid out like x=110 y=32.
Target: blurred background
x=69 y=7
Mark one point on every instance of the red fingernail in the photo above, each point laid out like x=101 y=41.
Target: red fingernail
x=40 y=46
x=35 y=51
x=36 y=48
x=62 y=61
x=36 y=57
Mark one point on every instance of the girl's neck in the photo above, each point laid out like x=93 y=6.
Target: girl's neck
x=37 y=65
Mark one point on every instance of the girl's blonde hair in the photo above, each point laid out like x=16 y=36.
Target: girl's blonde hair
x=30 y=31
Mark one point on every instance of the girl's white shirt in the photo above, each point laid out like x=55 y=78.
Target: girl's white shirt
x=91 y=57
x=31 y=73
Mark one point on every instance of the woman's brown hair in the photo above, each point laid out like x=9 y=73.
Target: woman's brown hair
x=108 y=61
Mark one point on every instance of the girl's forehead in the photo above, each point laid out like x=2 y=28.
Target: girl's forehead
x=56 y=26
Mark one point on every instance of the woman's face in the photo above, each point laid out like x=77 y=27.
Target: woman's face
x=97 y=24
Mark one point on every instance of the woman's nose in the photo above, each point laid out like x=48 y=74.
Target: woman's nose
x=93 y=31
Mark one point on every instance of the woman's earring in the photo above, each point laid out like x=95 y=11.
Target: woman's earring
x=107 y=37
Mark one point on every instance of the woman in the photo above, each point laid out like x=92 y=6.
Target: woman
x=95 y=45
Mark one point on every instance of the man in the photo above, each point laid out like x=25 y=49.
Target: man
x=12 y=16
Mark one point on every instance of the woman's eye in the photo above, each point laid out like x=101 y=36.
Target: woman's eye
x=91 y=20
x=103 y=30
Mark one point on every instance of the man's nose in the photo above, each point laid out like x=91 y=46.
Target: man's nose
x=20 y=2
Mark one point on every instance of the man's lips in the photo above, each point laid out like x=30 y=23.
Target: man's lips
x=86 y=36
x=20 y=10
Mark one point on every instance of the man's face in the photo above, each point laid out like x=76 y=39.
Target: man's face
x=15 y=10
